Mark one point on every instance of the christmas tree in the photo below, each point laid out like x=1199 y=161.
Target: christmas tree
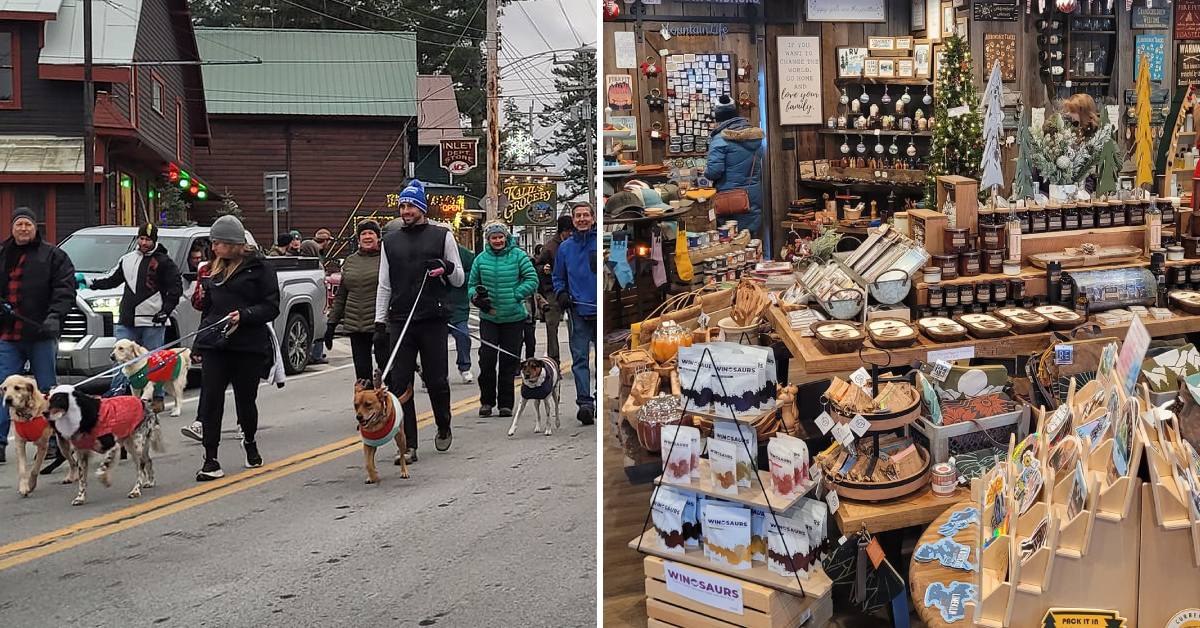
x=957 y=123
x=1023 y=177
x=993 y=174
x=1110 y=158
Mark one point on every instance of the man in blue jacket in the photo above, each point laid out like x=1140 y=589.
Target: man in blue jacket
x=575 y=290
x=735 y=160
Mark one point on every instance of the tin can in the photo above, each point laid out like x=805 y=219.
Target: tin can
x=945 y=479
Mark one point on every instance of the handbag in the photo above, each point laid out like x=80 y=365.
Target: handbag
x=737 y=200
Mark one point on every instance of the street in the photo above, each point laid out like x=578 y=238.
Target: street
x=496 y=531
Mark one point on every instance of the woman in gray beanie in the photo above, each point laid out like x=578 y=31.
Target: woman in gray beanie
x=735 y=160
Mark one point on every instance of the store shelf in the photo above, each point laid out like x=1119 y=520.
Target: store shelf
x=1075 y=32
x=752 y=496
x=874 y=131
x=817 y=584
x=884 y=81
x=863 y=185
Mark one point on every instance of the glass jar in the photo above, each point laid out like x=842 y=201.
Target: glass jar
x=991 y=236
x=948 y=264
x=1087 y=215
x=1174 y=253
x=983 y=292
x=1168 y=211
x=1194 y=273
x=968 y=264
x=1054 y=220
x=1066 y=289
x=1120 y=213
x=956 y=239
x=1104 y=214
x=1191 y=244
x=667 y=339
x=1037 y=220
x=966 y=295
x=1022 y=216
x=992 y=261
x=934 y=296
x=1136 y=212
x=950 y=297
x=1000 y=290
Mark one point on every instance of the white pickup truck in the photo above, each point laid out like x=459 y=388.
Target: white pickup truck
x=87 y=332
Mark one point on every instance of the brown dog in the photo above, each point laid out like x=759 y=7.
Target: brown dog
x=27 y=407
x=379 y=421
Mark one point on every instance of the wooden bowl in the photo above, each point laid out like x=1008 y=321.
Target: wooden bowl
x=838 y=336
x=879 y=491
x=941 y=329
x=890 y=333
x=1022 y=320
x=883 y=420
x=1060 y=317
x=984 y=325
x=1186 y=300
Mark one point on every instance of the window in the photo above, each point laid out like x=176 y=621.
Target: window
x=10 y=70
x=156 y=93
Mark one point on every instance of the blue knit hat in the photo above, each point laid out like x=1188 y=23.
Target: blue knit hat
x=414 y=194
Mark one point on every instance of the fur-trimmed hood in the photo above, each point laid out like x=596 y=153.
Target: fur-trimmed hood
x=746 y=134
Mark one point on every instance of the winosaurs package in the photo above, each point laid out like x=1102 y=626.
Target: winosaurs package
x=727 y=535
x=787 y=546
x=697 y=448
x=800 y=459
x=758 y=534
x=667 y=511
x=788 y=460
x=727 y=431
x=677 y=453
x=737 y=382
x=691 y=520
x=722 y=466
x=815 y=515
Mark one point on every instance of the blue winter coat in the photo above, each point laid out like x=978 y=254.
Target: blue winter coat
x=730 y=153
x=575 y=270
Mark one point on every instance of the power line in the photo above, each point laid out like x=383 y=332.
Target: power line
x=368 y=28
x=535 y=28
x=569 y=23
x=410 y=25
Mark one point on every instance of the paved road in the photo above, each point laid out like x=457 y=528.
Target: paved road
x=496 y=531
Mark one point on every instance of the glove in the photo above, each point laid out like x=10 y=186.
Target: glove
x=330 y=328
x=381 y=338
x=160 y=318
x=482 y=301
x=52 y=327
x=434 y=264
x=564 y=300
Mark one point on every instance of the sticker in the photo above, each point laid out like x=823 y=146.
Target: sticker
x=1028 y=486
x=824 y=422
x=1186 y=618
x=1035 y=542
x=959 y=521
x=951 y=599
x=1064 y=354
x=948 y=552
x=1062 y=617
x=941 y=370
x=1056 y=423
x=831 y=498
x=859 y=425
x=860 y=377
x=950 y=355
x=842 y=433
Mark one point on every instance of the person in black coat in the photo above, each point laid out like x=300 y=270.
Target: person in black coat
x=37 y=290
x=239 y=352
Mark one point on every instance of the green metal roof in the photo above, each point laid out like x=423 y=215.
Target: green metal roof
x=309 y=73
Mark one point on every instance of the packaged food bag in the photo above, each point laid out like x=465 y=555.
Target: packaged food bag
x=782 y=462
x=722 y=466
x=697 y=448
x=727 y=431
x=787 y=546
x=677 y=454
x=667 y=512
x=727 y=535
x=815 y=515
x=758 y=534
x=691 y=519
x=800 y=458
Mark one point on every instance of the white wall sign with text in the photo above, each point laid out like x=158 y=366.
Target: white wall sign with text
x=799 y=80
x=846 y=10
x=705 y=588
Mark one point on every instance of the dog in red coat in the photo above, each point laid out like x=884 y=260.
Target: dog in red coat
x=27 y=408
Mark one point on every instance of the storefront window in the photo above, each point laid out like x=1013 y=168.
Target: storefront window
x=10 y=80
x=35 y=199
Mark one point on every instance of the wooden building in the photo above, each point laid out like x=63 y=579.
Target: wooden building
x=148 y=117
x=335 y=109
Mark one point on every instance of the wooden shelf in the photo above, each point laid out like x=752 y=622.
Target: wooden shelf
x=752 y=496
x=874 y=131
x=863 y=184
x=816 y=585
x=1074 y=32
x=883 y=80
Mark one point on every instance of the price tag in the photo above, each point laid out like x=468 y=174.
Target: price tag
x=702 y=320
x=860 y=377
x=842 y=541
x=842 y=433
x=1064 y=354
x=824 y=422
x=832 y=499
x=941 y=370
x=950 y=355
x=712 y=214
x=814 y=472
x=859 y=425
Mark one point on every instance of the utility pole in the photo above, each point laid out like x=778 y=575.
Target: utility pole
x=588 y=115
x=493 y=110
x=89 y=130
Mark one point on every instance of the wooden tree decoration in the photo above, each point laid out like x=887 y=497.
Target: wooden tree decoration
x=1023 y=177
x=1110 y=160
x=993 y=120
x=1143 y=140
x=957 y=125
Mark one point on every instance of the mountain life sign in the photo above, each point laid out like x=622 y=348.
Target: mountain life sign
x=459 y=156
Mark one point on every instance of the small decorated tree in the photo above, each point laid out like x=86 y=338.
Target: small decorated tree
x=1143 y=139
x=1023 y=187
x=1110 y=158
x=957 y=123
x=992 y=173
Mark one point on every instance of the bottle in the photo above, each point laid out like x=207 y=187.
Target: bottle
x=1012 y=230
x=1066 y=289
x=1053 y=277
x=1081 y=305
x=1050 y=55
x=1049 y=40
x=1153 y=226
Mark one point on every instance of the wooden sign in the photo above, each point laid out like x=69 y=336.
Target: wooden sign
x=1004 y=11
x=918 y=15
x=528 y=203
x=459 y=156
x=1153 y=49
x=799 y=80
x=1150 y=17
x=846 y=10
x=1188 y=66
x=1187 y=19
x=1000 y=47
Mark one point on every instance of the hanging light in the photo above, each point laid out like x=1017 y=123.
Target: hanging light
x=184 y=184
x=202 y=194
x=126 y=182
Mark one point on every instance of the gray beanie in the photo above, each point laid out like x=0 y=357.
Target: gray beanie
x=228 y=229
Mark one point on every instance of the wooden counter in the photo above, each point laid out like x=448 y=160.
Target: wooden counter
x=921 y=575
x=917 y=509
x=809 y=358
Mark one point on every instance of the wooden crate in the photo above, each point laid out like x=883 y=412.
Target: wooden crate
x=965 y=192
x=764 y=607
x=933 y=224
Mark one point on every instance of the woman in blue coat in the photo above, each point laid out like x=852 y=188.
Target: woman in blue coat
x=735 y=160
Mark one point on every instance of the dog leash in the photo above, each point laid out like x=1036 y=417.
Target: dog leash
x=494 y=346
x=139 y=358
x=396 y=349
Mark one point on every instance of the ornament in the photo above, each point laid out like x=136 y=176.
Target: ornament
x=911 y=151
x=887 y=98
x=900 y=107
x=611 y=10
x=865 y=98
x=744 y=100
x=893 y=149
x=655 y=100
x=878 y=147
x=844 y=98
x=874 y=110
x=861 y=148
x=656 y=130
x=649 y=68
x=845 y=145
x=927 y=99
x=1066 y=6
x=905 y=98
x=841 y=122
x=854 y=106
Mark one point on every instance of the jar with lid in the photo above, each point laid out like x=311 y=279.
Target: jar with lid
x=933 y=274
x=1193 y=274
x=1176 y=276
x=1120 y=212
x=934 y=296
x=1016 y=289
x=1022 y=216
x=1169 y=211
x=968 y=264
x=1174 y=253
x=991 y=236
x=1070 y=217
x=950 y=297
x=948 y=264
x=1054 y=276
x=966 y=294
x=1081 y=304
x=1037 y=220
x=1087 y=214
x=1136 y=212
x=956 y=239
x=992 y=261
x=1104 y=213
x=999 y=289
x=983 y=292
x=985 y=216
x=1054 y=213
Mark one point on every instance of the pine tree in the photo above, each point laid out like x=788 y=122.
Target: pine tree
x=1023 y=177
x=957 y=141
x=992 y=172
x=574 y=111
x=1110 y=160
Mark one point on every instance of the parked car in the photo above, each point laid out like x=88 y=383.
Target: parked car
x=88 y=331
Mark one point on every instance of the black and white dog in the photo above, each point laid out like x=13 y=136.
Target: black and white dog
x=540 y=382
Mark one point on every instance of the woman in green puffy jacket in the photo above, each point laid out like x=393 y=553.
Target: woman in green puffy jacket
x=502 y=278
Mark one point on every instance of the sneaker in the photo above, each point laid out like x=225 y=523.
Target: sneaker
x=410 y=455
x=3 y=458
x=466 y=376
x=253 y=460
x=195 y=431
x=505 y=411
x=485 y=411
x=443 y=440
x=586 y=415
x=210 y=471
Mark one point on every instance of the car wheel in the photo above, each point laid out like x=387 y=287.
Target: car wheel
x=297 y=344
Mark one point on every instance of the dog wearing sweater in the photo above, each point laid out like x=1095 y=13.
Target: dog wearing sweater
x=540 y=383
x=104 y=426
x=166 y=368
x=379 y=421
x=27 y=407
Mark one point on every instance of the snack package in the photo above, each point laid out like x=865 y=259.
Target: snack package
x=746 y=464
x=782 y=461
x=800 y=458
x=722 y=466
x=815 y=515
x=758 y=534
x=697 y=448
x=691 y=520
x=677 y=454
x=787 y=546
x=727 y=535
x=667 y=512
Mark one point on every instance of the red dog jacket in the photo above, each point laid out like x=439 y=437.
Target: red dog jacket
x=119 y=416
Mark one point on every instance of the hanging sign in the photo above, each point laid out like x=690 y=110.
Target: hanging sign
x=1188 y=66
x=1187 y=19
x=528 y=203
x=698 y=30
x=846 y=10
x=1150 y=17
x=999 y=11
x=1153 y=47
x=799 y=80
x=1077 y=617
x=459 y=156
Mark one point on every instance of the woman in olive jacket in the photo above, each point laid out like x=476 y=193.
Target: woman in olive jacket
x=354 y=304
x=502 y=278
x=243 y=287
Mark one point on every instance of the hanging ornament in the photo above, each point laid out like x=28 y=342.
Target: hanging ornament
x=649 y=68
x=911 y=151
x=854 y=106
x=878 y=146
x=893 y=149
x=887 y=98
x=861 y=148
x=1066 y=6
x=745 y=71
x=611 y=10
x=874 y=110
x=905 y=98
x=744 y=100
x=865 y=98
x=845 y=145
x=927 y=99
x=655 y=100
x=845 y=97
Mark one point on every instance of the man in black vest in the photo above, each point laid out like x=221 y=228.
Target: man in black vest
x=418 y=252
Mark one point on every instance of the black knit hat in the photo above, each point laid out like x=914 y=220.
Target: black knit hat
x=565 y=224
x=148 y=230
x=369 y=225
x=285 y=239
x=24 y=212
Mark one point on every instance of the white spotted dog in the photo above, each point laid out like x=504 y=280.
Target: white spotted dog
x=168 y=368
x=540 y=382
x=27 y=408
x=95 y=425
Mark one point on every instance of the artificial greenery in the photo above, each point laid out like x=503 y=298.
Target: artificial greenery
x=1110 y=159
x=957 y=139
x=1061 y=156
x=1023 y=187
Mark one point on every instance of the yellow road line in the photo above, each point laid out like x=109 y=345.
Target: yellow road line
x=20 y=552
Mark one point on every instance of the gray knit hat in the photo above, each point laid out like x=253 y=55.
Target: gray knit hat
x=228 y=229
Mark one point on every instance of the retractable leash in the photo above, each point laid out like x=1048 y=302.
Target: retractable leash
x=143 y=357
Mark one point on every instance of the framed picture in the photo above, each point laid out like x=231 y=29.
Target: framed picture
x=904 y=43
x=933 y=19
x=922 y=58
x=961 y=27
x=938 y=58
x=918 y=15
x=871 y=68
x=887 y=68
x=875 y=44
x=905 y=69
x=948 y=21
x=1002 y=48
x=850 y=61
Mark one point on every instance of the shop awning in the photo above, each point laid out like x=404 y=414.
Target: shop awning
x=41 y=155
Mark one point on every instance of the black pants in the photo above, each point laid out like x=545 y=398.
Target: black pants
x=362 y=347
x=219 y=369
x=427 y=339
x=500 y=391
x=530 y=335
